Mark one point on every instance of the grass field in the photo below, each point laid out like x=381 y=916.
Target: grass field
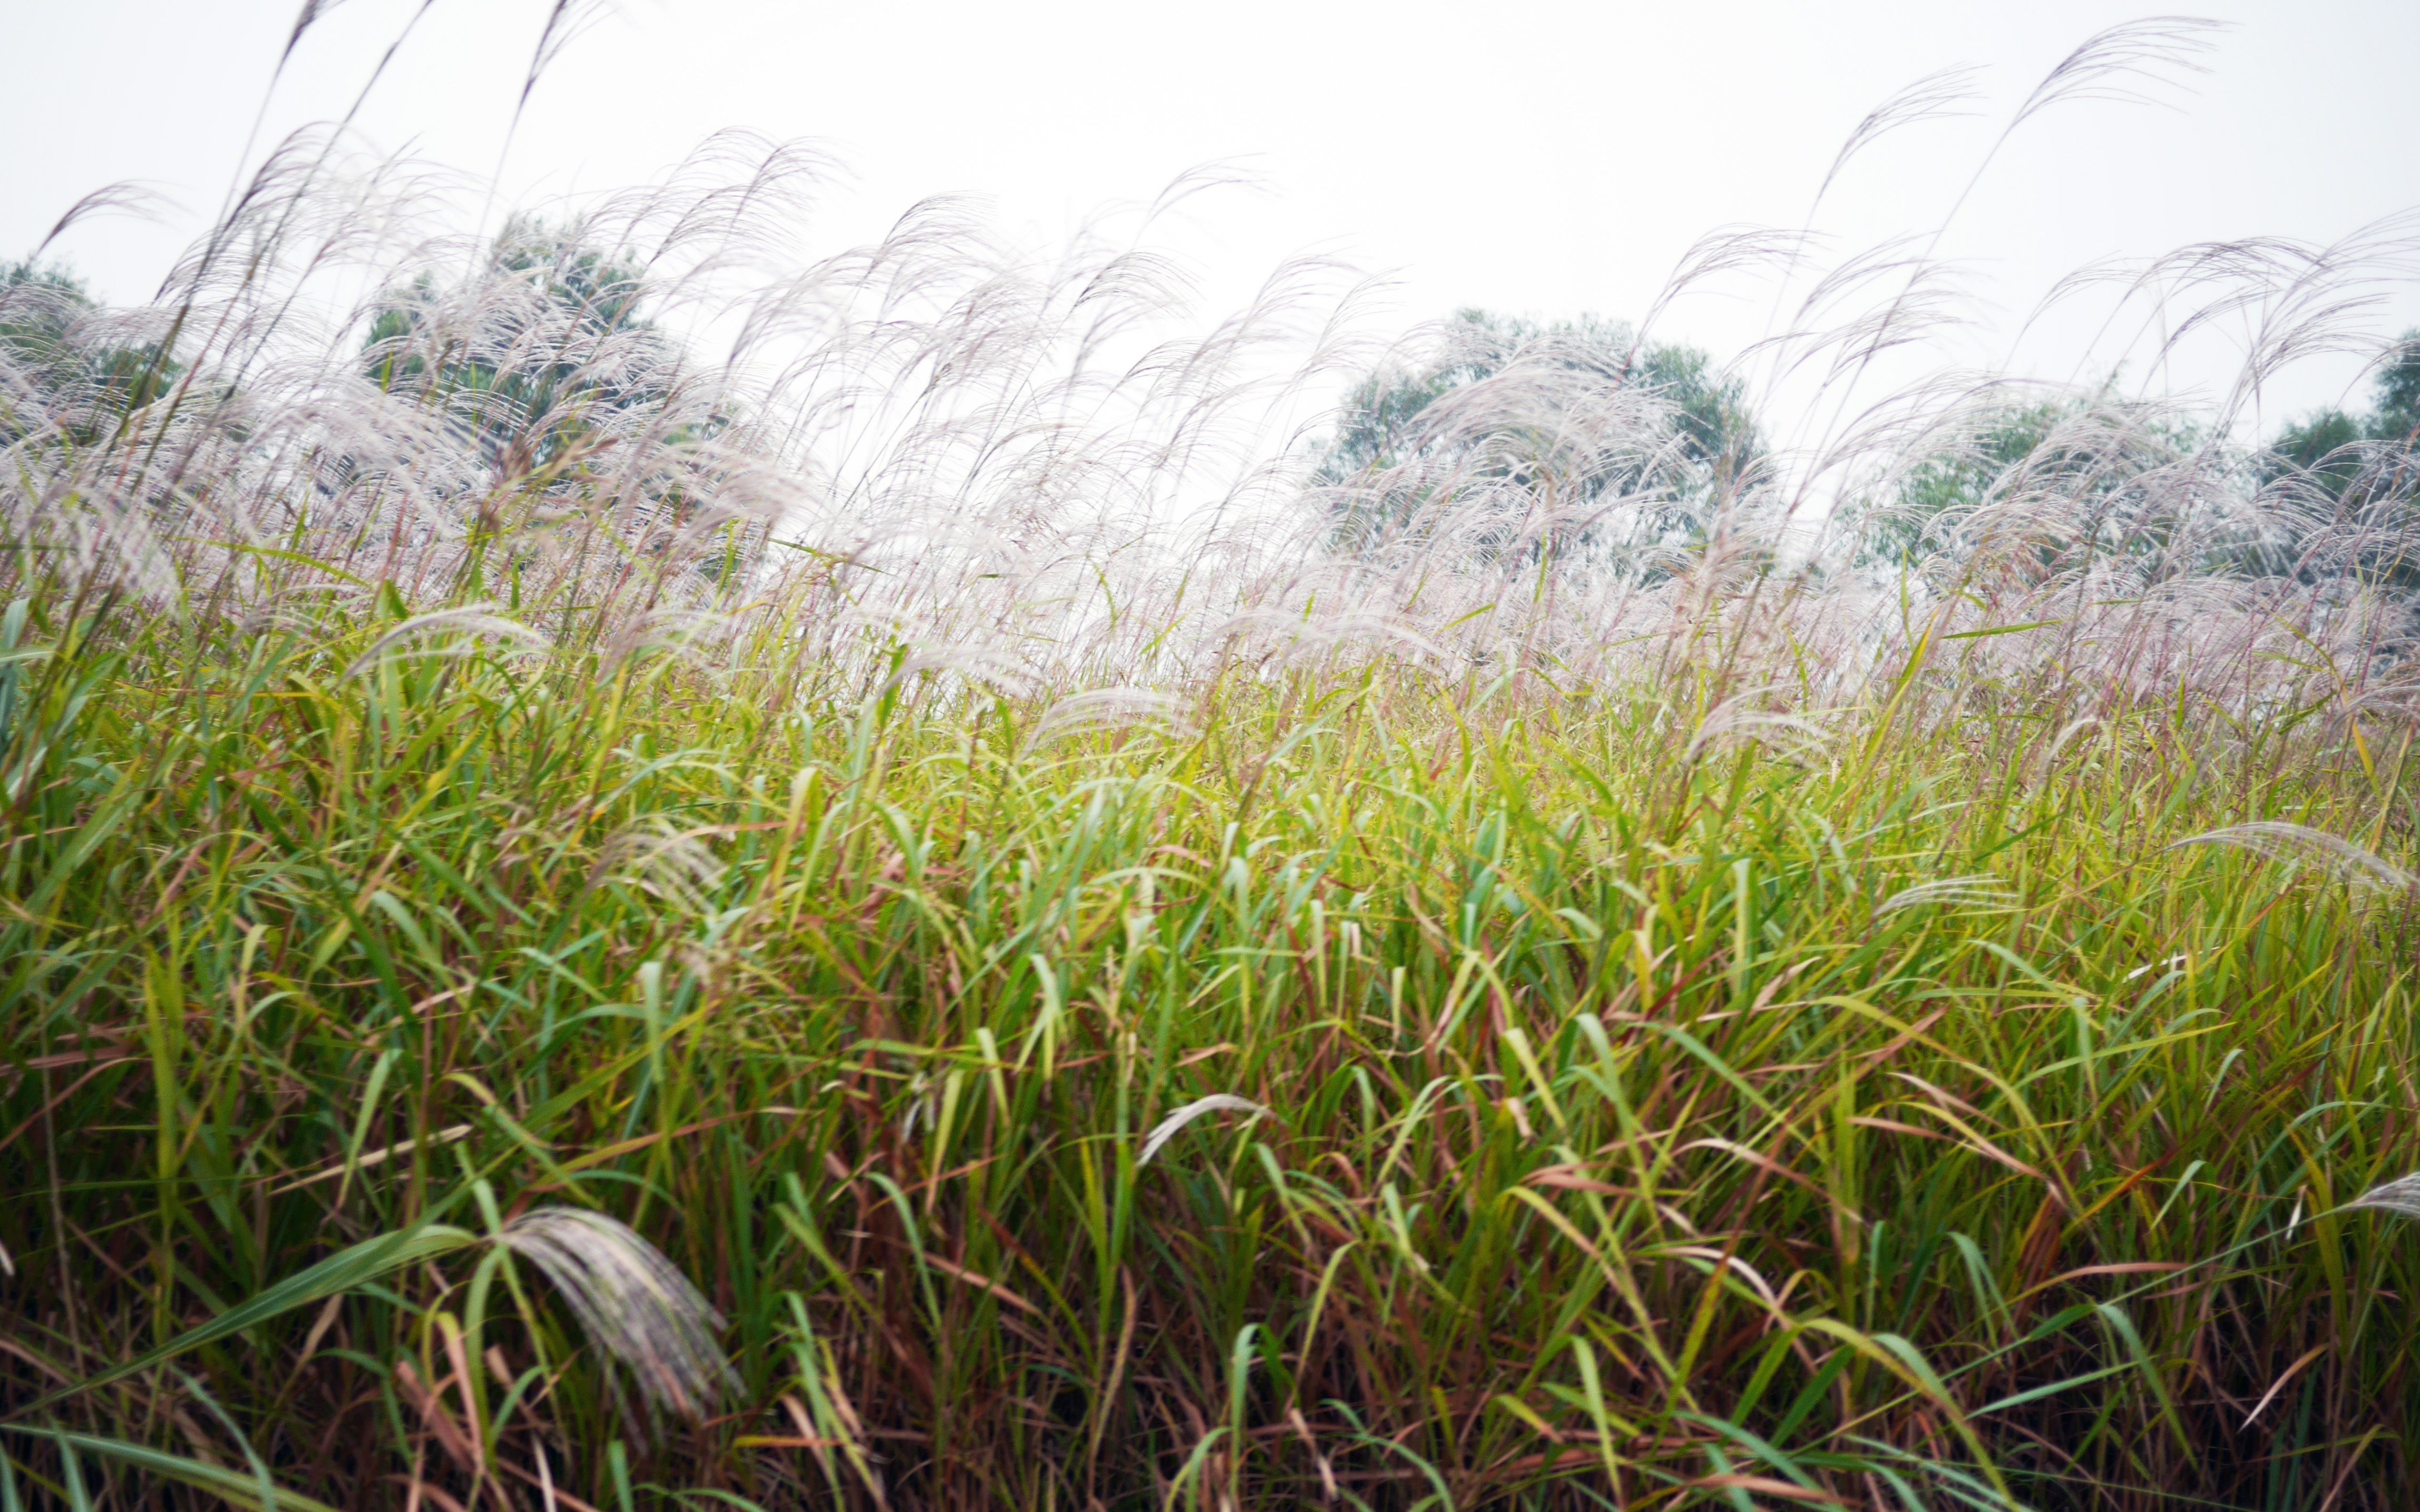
x=1895 y=1113
x=931 y=911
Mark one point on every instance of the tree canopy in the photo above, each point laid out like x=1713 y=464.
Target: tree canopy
x=2341 y=452
x=2087 y=453
x=545 y=347
x=1583 y=411
x=82 y=388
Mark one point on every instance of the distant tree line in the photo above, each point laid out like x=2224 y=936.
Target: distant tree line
x=2056 y=481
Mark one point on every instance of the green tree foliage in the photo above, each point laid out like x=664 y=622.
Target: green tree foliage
x=38 y=305
x=2337 y=451
x=80 y=389
x=2399 y=393
x=548 y=347
x=2059 y=479
x=2322 y=448
x=1910 y=526
x=2356 y=476
x=545 y=360
x=2055 y=480
x=1394 y=455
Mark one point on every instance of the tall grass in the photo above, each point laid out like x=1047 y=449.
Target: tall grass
x=887 y=920
x=1632 y=1123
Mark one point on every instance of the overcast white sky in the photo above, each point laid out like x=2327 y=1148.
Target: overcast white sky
x=1540 y=156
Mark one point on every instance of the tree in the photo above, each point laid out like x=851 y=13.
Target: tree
x=2356 y=478
x=547 y=348
x=2336 y=450
x=83 y=390
x=546 y=358
x=1582 y=410
x=2051 y=481
x=1914 y=523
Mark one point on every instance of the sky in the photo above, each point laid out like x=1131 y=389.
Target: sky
x=1529 y=156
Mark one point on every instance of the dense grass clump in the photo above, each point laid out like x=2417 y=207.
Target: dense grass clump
x=1613 y=1111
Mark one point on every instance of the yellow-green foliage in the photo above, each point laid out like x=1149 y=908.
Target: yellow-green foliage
x=1632 y=1135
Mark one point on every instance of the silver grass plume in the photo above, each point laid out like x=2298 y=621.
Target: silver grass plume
x=675 y=867
x=2400 y=1196
x=1793 y=737
x=2301 y=845
x=1168 y=1127
x=1981 y=890
x=1105 y=708
x=633 y=1305
x=454 y=625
